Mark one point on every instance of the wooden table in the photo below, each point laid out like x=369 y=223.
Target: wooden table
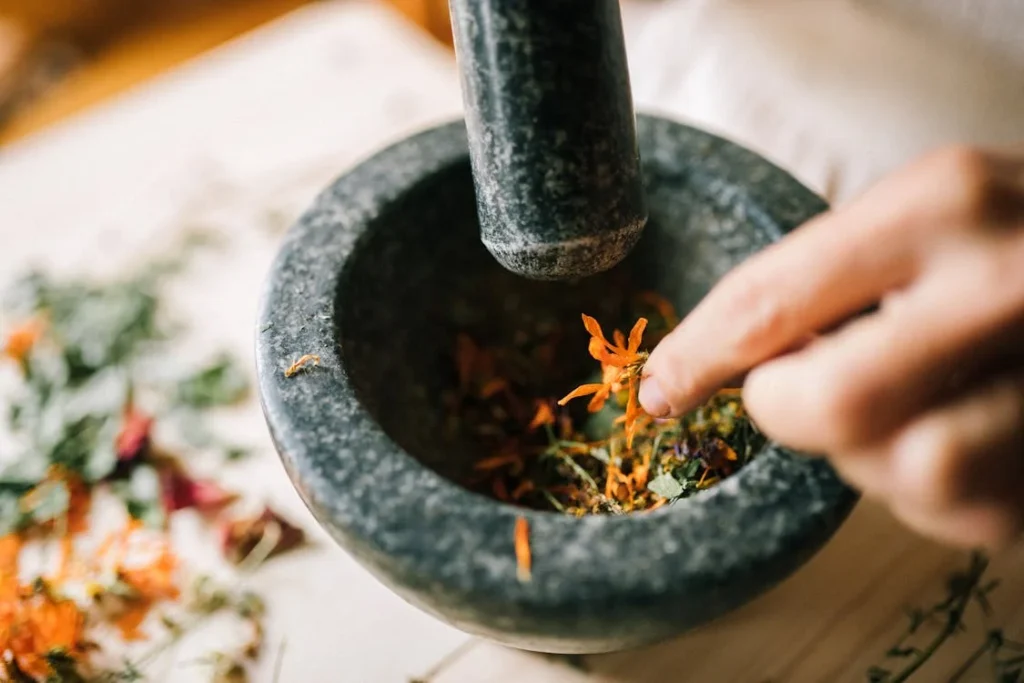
x=247 y=135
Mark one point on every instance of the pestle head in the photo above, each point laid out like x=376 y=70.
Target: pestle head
x=552 y=133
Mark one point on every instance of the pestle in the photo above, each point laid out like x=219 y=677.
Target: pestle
x=552 y=133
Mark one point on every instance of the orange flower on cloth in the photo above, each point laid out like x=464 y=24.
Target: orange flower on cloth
x=22 y=339
x=34 y=623
x=37 y=625
x=621 y=364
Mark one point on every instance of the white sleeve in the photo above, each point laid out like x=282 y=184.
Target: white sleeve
x=835 y=91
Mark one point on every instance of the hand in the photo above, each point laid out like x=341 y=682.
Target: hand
x=919 y=402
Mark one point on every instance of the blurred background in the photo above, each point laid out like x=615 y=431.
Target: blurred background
x=94 y=177
x=58 y=57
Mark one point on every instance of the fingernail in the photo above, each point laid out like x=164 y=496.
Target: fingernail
x=653 y=399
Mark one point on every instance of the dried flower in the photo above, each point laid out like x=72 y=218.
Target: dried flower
x=524 y=560
x=36 y=624
x=301 y=363
x=133 y=439
x=543 y=416
x=241 y=537
x=180 y=491
x=620 y=362
x=23 y=338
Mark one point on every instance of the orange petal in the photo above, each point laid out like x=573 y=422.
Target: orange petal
x=632 y=412
x=524 y=556
x=619 y=338
x=524 y=487
x=599 y=352
x=22 y=338
x=543 y=416
x=594 y=328
x=599 y=399
x=584 y=390
x=636 y=335
x=496 y=461
x=492 y=387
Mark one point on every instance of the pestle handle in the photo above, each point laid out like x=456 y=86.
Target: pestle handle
x=552 y=133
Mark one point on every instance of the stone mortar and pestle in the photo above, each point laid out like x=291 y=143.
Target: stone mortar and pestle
x=552 y=198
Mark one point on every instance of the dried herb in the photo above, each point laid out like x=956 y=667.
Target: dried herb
x=302 y=363
x=221 y=383
x=929 y=628
x=82 y=348
x=524 y=557
x=614 y=458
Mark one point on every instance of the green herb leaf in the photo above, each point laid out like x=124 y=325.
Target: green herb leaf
x=142 y=496
x=666 y=486
x=220 y=383
x=49 y=501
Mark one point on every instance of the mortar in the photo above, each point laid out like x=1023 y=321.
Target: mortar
x=378 y=277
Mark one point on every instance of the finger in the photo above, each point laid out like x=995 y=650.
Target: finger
x=969 y=451
x=855 y=387
x=987 y=526
x=823 y=273
x=957 y=473
x=826 y=272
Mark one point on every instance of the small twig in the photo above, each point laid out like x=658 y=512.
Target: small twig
x=262 y=550
x=279 y=662
x=446 y=661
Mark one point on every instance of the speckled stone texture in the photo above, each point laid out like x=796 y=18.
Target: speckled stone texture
x=377 y=278
x=552 y=134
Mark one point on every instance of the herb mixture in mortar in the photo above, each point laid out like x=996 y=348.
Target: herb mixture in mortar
x=542 y=453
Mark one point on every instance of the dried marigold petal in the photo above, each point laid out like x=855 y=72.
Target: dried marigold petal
x=492 y=387
x=524 y=555
x=22 y=339
x=496 y=461
x=598 y=352
x=10 y=552
x=594 y=328
x=582 y=390
x=543 y=416
x=636 y=335
x=297 y=366
x=524 y=487
x=599 y=399
x=633 y=411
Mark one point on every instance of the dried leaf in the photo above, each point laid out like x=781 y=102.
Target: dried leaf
x=240 y=537
x=666 y=486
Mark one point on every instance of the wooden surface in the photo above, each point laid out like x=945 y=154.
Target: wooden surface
x=135 y=46
x=241 y=140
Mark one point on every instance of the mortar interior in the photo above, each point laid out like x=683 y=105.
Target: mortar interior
x=420 y=275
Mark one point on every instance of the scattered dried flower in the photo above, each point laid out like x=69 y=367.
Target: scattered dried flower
x=301 y=363
x=524 y=559
x=23 y=338
x=181 y=491
x=241 y=537
x=133 y=439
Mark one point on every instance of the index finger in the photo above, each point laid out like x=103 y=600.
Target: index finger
x=825 y=272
